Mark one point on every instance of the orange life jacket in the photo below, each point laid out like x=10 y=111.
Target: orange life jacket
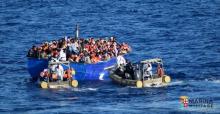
x=54 y=76
x=65 y=74
x=69 y=73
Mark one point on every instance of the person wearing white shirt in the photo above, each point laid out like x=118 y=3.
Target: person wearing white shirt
x=121 y=60
x=147 y=68
x=62 y=55
x=60 y=72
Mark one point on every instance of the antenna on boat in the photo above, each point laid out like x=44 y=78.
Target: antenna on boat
x=77 y=31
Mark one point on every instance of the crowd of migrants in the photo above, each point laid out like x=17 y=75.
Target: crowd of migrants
x=80 y=50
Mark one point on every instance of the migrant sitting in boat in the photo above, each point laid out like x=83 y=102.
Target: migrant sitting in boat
x=140 y=74
x=79 y=50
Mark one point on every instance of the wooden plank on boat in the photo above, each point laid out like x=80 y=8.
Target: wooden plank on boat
x=59 y=84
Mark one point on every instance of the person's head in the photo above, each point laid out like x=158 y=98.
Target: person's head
x=111 y=38
x=46 y=43
x=148 y=64
x=55 y=54
x=72 y=40
x=120 y=54
x=81 y=54
x=64 y=49
x=40 y=48
x=58 y=66
x=34 y=48
x=54 y=42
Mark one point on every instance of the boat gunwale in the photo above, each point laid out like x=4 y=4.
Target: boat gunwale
x=100 y=62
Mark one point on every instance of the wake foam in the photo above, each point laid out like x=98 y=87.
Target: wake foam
x=85 y=89
x=176 y=82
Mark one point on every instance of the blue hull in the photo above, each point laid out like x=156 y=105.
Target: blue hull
x=83 y=71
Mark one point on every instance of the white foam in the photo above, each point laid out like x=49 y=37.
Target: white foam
x=213 y=80
x=176 y=82
x=216 y=81
x=85 y=89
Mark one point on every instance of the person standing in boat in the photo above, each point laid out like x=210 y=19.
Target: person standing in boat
x=62 y=55
x=160 y=70
x=147 y=70
x=73 y=47
x=121 y=60
x=59 y=71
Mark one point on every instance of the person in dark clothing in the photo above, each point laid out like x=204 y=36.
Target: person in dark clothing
x=129 y=70
x=120 y=72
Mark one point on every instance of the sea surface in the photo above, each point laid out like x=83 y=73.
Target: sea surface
x=184 y=33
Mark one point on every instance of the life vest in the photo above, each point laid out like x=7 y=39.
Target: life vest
x=54 y=76
x=65 y=74
x=94 y=59
x=97 y=59
x=69 y=73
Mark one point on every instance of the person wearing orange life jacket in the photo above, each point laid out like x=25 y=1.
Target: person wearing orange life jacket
x=68 y=74
x=95 y=59
x=44 y=74
x=160 y=70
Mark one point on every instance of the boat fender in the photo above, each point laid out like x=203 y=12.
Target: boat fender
x=166 y=79
x=44 y=85
x=139 y=84
x=74 y=83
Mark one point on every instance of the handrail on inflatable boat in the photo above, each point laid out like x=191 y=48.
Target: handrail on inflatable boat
x=156 y=60
x=110 y=67
x=61 y=62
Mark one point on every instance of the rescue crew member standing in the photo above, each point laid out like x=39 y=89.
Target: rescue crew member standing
x=147 y=68
x=60 y=72
x=121 y=60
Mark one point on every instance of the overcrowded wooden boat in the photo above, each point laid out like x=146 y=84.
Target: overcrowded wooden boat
x=88 y=56
x=138 y=75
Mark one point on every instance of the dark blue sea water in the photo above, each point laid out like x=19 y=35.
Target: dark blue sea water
x=184 y=33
